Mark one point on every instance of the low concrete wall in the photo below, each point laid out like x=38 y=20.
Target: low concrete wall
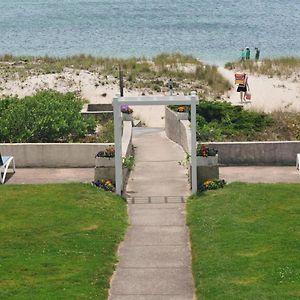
x=62 y=155
x=127 y=138
x=258 y=153
x=53 y=155
x=236 y=153
x=177 y=130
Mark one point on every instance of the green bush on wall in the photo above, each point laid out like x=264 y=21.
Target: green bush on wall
x=47 y=116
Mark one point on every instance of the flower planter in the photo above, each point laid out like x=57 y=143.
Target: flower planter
x=182 y=116
x=105 y=173
x=104 y=162
x=207 y=168
x=104 y=168
x=207 y=161
x=127 y=117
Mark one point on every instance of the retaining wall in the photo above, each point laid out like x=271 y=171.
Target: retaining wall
x=53 y=155
x=62 y=155
x=236 y=153
x=258 y=153
x=178 y=130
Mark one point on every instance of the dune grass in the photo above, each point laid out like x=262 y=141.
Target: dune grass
x=284 y=66
x=245 y=242
x=58 y=241
x=187 y=72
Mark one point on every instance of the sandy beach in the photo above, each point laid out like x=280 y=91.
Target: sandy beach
x=86 y=84
x=268 y=94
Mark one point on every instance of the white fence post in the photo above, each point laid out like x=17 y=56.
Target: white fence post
x=193 y=142
x=118 y=145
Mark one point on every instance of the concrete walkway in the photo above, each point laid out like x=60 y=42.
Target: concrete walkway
x=155 y=257
x=250 y=174
x=50 y=175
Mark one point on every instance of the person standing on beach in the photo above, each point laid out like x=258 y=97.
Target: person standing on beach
x=243 y=54
x=257 y=53
x=247 y=53
x=243 y=87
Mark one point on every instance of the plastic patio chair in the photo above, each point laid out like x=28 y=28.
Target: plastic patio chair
x=5 y=161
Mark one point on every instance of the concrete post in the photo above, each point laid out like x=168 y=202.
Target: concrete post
x=193 y=142
x=118 y=145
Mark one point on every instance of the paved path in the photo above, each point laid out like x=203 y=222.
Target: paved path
x=261 y=174
x=251 y=174
x=50 y=175
x=155 y=261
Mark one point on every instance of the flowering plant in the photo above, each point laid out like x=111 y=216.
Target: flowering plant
x=108 y=152
x=104 y=184
x=204 y=150
x=212 y=184
x=125 y=109
x=181 y=109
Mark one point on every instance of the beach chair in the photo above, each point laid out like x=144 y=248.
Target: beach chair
x=298 y=162
x=5 y=161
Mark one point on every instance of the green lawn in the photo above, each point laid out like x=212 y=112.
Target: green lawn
x=246 y=242
x=58 y=241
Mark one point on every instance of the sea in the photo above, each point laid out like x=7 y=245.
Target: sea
x=211 y=30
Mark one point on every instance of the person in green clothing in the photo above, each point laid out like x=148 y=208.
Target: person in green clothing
x=247 y=53
x=257 y=53
x=243 y=54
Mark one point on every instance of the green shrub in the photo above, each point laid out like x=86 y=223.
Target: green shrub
x=106 y=134
x=47 y=116
x=219 y=121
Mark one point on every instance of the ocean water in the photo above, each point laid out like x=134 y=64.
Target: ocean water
x=213 y=31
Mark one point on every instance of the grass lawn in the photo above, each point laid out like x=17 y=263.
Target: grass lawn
x=246 y=242
x=58 y=241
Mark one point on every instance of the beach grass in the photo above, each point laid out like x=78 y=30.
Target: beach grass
x=284 y=66
x=285 y=127
x=186 y=71
x=58 y=241
x=245 y=242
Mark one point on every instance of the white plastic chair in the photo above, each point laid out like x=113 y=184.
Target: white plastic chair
x=5 y=161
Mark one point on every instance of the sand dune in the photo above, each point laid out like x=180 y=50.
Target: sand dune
x=268 y=94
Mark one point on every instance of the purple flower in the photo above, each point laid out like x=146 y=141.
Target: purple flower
x=124 y=108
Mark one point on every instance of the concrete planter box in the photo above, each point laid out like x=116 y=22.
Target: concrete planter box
x=108 y=172
x=127 y=117
x=104 y=162
x=207 y=161
x=105 y=168
x=207 y=168
x=105 y=173
x=182 y=116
